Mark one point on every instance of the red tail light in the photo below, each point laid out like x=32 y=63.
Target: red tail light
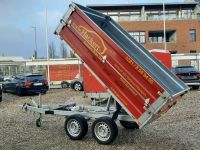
x=46 y=82
x=27 y=84
x=179 y=75
x=198 y=74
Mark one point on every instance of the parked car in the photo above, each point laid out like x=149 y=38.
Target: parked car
x=77 y=84
x=1 y=78
x=0 y=94
x=189 y=75
x=25 y=83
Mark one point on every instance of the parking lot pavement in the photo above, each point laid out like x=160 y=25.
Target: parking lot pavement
x=177 y=129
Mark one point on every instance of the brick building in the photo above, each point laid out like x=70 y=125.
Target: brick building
x=145 y=22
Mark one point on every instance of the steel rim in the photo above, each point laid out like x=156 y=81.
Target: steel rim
x=77 y=86
x=73 y=127
x=102 y=131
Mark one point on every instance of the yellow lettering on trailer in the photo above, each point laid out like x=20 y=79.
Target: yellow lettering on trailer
x=93 y=40
x=139 y=70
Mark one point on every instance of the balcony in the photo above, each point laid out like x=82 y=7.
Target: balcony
x=139 y=17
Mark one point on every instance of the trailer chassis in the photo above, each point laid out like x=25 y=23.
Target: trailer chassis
x=104 y=127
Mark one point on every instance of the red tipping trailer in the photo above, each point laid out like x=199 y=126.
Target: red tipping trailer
x=142 y=87
x=135 y=79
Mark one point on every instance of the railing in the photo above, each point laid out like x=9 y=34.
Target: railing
x=156 y=18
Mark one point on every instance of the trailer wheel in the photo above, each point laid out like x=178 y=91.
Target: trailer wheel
x=104 y=130
x=129 y=124
x=76 y=127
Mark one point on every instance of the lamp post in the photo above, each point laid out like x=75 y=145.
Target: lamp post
x=47 y=46
x=164 y=26
x=35 y=52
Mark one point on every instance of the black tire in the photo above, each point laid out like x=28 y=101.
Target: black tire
x=19 y=91
x=64 y=85
x=129 y=124
x=73 y=122
x=4 y=90
x=1 y=99
x=196 y=87
x=43 y=92
x=104 y=124
x=78 y=86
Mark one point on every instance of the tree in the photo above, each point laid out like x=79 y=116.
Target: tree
x=63 y=50
x=52 y=50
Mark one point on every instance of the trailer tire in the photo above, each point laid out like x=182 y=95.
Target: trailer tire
x=129 y=124
x=104 y=130
x=76 y=127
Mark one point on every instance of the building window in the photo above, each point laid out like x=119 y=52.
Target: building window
x=192 y=35
x=139 y=36
x=193 y=51
x=158 y=36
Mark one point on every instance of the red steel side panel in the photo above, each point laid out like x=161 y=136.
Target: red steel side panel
x=91 y=84
x=63 y=72
x=124 y=77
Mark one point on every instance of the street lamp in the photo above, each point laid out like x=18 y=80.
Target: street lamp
x=47 y=46
x=164 y=26
x=35 y=52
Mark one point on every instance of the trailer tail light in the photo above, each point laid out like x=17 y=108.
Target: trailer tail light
x=27 y=84
x=46 y=82
x=179 y=75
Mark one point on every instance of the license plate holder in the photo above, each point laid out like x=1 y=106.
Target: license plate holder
x=37 y=84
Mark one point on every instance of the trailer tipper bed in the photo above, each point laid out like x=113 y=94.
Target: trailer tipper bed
x=142 y=87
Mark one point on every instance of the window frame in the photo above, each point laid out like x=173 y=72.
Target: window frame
x=139 y=36
x=194 y=38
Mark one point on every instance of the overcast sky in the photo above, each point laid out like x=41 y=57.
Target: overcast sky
x=17 y=17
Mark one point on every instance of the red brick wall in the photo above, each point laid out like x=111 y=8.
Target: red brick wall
x=63 y=72
x=182 y=27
